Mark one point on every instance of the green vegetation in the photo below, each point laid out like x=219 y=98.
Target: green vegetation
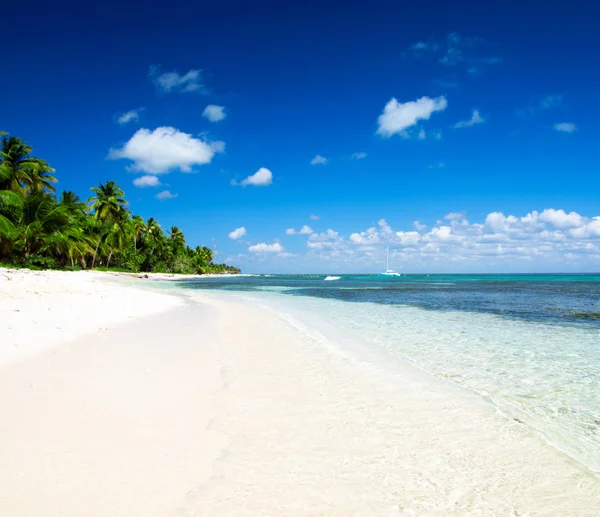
x=40 y=230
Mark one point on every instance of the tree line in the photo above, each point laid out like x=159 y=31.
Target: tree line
x=39 y=229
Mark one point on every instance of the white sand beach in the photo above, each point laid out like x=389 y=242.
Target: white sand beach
x=118 y=400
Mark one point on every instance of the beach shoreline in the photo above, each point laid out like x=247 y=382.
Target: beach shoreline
x=193 y=404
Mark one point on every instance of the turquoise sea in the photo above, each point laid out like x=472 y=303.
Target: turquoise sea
x=528 y=344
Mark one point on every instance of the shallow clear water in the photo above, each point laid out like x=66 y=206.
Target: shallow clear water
x=528 y=344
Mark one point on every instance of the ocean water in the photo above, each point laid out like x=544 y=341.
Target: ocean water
x=527 y=344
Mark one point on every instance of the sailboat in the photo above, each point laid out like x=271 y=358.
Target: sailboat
x=388 y=271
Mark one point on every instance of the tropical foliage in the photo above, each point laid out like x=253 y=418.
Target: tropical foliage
x=39 y=229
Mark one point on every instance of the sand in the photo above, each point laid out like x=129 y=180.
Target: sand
x=214 y=406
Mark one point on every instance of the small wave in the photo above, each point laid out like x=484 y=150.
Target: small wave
x=332 y=277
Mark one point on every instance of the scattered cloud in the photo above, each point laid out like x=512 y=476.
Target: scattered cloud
x=550 y=101
x=561 y=219
x=456 y=216
x=318 y=160
x=176 y=82
x=552 y=236
x=368 y=237
x=397 y=117
x=305 y=230
x=261 y=178
x=262 y=247
x=422 y=48
x=130 y=116
x=471 y=52
x=541 y=104
x=166 y=194
x=359 y=156
x=238 y=233
x=476 y=118
x=421 y=135
x=439 y=165
x=214 y=113
x=165 y=149
x=329 y=240
x=146 y=181
x=314 y=217
x=565 y=127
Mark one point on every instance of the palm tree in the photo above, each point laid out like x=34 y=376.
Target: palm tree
x=43 y=222
x=117 y=234
x=26 y=174
x=9 y=201
x=177 y=239
x=204 y=254
x=108 y=204
x=138 y=227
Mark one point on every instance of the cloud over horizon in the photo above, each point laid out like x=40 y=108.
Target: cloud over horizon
x=454 y=243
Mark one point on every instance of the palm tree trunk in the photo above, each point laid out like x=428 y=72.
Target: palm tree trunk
x=95 y=252
x=109 y=256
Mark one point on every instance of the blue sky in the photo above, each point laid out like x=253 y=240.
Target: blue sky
x=462 y=135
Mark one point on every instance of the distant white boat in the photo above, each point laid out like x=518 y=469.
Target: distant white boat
x=332 y=277
x=388 y=271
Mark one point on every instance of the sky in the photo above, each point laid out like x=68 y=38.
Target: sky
x=310 y=136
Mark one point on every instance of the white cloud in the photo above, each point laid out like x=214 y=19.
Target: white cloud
x=368 y=237
x=165 y=149
x=314 y=217
x=418 y=226
x=214 y=113
x=238 y=233
x=565 y=127
x=130 y=116
x=561 y=219
x=439 y=165
x=319 y=160
x=305 y=230
x=175 y=82
x=327 y=240
x=422 y=134
x=266 y=248
x=476 y=118
x=408 y=238
x=455 y=216
x=359 y=156
x=500 y=242
x=261 y=178
x=384 y=228
x=397 y=117
x=166 y=194
x=146 y=181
